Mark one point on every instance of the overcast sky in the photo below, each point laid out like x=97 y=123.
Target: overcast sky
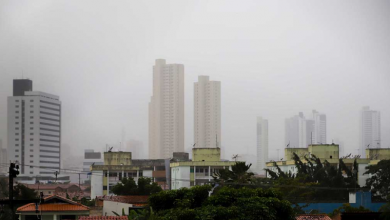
x=273 y=58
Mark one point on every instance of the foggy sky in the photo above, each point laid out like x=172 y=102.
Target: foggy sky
x=273 y=58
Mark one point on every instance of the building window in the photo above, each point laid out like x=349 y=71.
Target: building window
x=31 y=117
x=31 y=173
x=16 y=150
x=31 y=122
x=31 y=161
x=17 y=112
x=31 y=133
x=31 y=139
x=31 y=111
x=31 y=150
x=16 y=123
x=16 y=139
x=31 y=128
x=16 y=155
x=31 y=100
x=16 y=133
x=17 y=117
x=16 y=106
x=17 y=145
x=31 y=106
x=31 y=144
x=16 y=128
x=16 y=100
x=31 y=155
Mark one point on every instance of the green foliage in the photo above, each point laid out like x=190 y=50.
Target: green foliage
x=227 y=203
x=385 y=209
x=87 y=202
x=315 y=179
x=127 y=186
x=346 y=207
x=380 y=178
x=3 y=188
x=22 y=192
x=238 y=174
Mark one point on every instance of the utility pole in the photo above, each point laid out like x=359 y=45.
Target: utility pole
x=79 y=183
x=13 y=172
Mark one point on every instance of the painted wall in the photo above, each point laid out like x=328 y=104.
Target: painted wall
x=206 y=154
x=361 y=198
x=96 y=183
x=109 y=206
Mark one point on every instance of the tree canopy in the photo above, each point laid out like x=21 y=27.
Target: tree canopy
x=238 y=174
x=379 y=180
x=127 y=186
x=227 y=203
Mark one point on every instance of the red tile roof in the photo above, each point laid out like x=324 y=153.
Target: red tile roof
x=52 y=208
x=313 y=217
x=67 y=205
x=125 y=199
x=103 y=218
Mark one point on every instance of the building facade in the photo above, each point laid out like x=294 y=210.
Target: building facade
x=118 y=165
x=92 y=158
x=319 y=136
x=207 y=113
x=3 y=159
x=370 y=130
x=205 y=161
x=166 y=110
x=34 y=130
x=262 y=144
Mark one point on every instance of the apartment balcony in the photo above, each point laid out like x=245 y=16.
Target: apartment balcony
x=159 y=173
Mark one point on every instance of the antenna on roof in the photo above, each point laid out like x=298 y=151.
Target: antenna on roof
x=110 y=150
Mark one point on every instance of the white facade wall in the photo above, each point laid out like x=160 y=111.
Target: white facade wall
x=96 y=184
x=180 y=177
x=166 y=110
x=319 y=136
x=109 y=207
x=207 y=113
x=262 y=144
x=3 y=160
x=370 y=130
x=37 y=115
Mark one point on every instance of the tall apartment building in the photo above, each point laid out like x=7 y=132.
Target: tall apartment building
x=166 y=110
x=319 y=136
x=92 y=158
x=301 y=132
x=207 y=113
x=262 y=144
x=3 y=159
x=297 y=131
x=370 y=130
x=34 y=130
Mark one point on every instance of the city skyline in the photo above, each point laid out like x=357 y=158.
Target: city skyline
x=101 y=67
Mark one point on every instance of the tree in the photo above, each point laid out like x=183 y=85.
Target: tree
x=127 y=186
x=227 y=203
x=346 y=207
x=20 y=192
x=238 y=174
x=379 y=180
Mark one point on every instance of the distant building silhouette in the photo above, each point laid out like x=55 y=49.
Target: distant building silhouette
x=207 y=113
x=166 y=110
x=262 y=144
x=370 y=130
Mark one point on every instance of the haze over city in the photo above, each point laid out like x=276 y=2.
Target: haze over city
x=273 y=60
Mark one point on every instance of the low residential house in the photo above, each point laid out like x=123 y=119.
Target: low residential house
x=53 y=208
x=116 y=204
x=72 y=190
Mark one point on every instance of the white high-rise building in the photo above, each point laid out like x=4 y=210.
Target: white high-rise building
x=207 y=113
x=370 y=130
x=298 y=131
x=319 y=136
x=301 y=132
x=166 y=110
x=262 y=144
x=34 y=130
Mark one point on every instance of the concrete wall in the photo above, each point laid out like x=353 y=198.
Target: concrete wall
x=206 y=154
x=361 y=198
x=180 y=177
x=117 y=158
x=109 y=207
x=96 y=184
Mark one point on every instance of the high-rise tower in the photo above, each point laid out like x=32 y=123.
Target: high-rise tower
x=166 y=110
x=34 y=130
x=262 y=144
x=370 y=130
x=207 y=113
